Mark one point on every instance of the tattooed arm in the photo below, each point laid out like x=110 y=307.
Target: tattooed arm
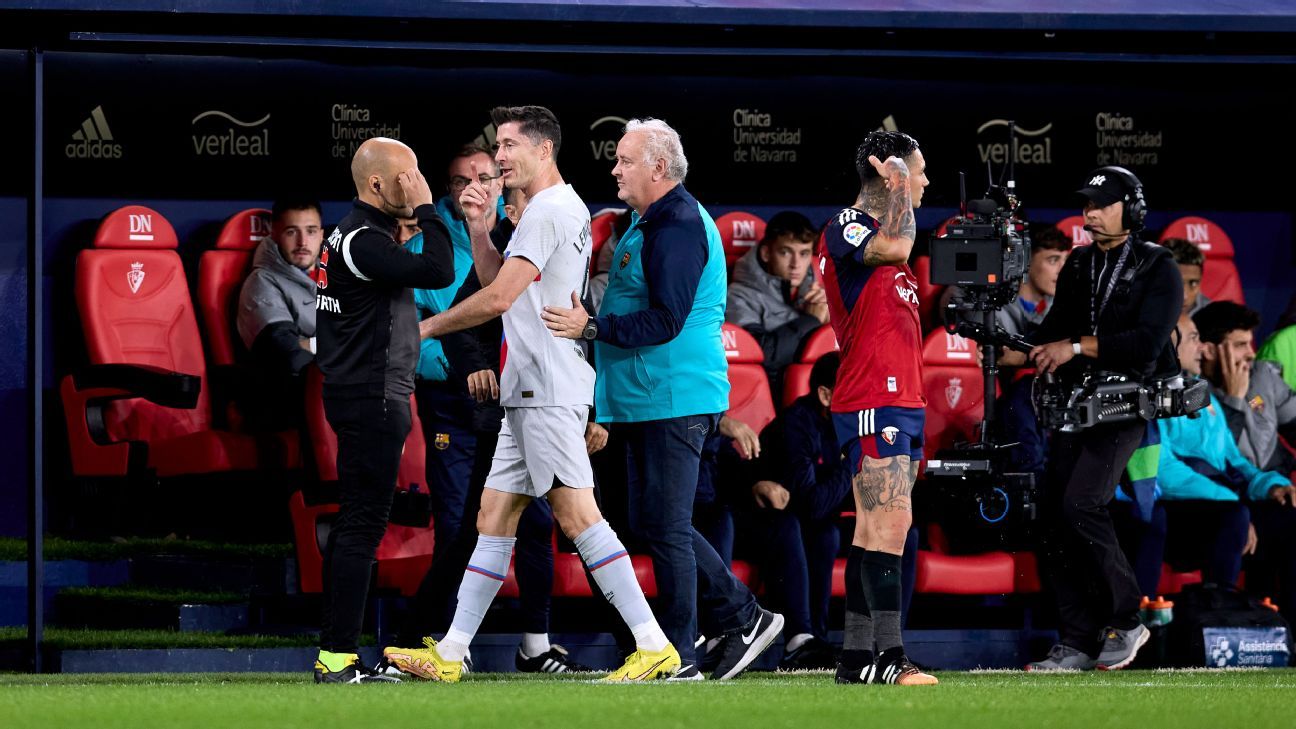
x=893 y=208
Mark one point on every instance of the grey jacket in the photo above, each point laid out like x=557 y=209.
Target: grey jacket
x=275 y=291
x=759 y=303
x=1270 y=404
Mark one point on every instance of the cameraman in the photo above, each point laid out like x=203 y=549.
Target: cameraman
x=1116 y=306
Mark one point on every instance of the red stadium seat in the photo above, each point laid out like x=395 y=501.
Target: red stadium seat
x=1220 y=279
x=1073 y=228
x=749 y=392
x=144 y=401
x=929 y=294
x=405 y=552
x=740 y=232
x=1173 y=582
x=991 y=573
x=601 y=228
x=796 y=378
x=221 y=272
x=954 y=388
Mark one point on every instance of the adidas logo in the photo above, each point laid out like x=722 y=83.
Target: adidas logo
x=93 y=140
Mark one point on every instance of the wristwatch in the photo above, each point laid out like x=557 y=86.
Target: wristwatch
x=1075 y=345
x=590 y=331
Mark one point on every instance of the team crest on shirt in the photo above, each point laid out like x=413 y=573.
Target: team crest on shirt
x=889 y=434
x=954 y=391
x=854 y=234
x=625 y=259
x=442 y=441
x=1257 y=404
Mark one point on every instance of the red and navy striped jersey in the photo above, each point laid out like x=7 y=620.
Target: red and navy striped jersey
x=874 y=312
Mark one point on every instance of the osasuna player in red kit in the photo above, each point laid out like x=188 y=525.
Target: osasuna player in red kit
x=877 y=405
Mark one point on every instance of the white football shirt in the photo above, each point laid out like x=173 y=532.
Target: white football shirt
x=541 y=369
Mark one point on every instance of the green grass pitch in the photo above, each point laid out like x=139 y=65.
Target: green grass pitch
x=1143 y=699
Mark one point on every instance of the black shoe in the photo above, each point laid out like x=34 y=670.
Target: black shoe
x=855 y=667
x=354 y=672
x=894 y=667
x=709 y=658
x=554 y=660
x=739 y=648
x=813 y=655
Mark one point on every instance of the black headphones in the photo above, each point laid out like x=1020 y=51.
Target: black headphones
x=1135 y=206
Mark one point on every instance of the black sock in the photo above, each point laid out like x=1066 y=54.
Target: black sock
x=857 y=648
x=882 y=590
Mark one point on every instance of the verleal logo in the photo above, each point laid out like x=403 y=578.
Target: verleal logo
x=603 y=142
x=94 y=140
x=219 y=134
x=1030 y=146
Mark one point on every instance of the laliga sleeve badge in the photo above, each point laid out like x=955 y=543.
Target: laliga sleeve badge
x=442 y=441
x=854 y=234
x=889 y=434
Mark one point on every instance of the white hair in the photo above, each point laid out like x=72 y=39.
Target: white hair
x=661 y=142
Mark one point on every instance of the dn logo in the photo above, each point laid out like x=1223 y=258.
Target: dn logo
x=730 y=341
x=1198 y=233
x=744 y=230
x=259 y=227
x=141 y=227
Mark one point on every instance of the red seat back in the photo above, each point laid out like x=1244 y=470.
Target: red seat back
x=796 y=378
x=954 y=389
x=220 y=277
x=135 y=309
x=749 y=392
x=1220 y=279
x=324 y=440
x=740 y=232
x=1073 y=228
x=602 y=224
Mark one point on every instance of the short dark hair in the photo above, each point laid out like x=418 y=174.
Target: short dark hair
x=284 y=205
x=1049 y=238
x=881 y=145
x=1185 y=252
x=535 y=122
x=791 y=223
x=1215 y=320
x=824 y=372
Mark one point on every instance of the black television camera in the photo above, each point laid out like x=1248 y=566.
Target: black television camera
x=985 y=251
x=1108 y=397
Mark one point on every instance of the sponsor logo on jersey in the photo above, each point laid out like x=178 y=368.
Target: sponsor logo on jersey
x=847 y=215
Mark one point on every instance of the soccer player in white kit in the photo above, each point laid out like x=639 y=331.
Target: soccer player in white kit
x=546 y=389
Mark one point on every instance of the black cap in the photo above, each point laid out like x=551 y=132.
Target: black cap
x=1104 y=188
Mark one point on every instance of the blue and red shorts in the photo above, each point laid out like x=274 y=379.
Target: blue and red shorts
x=880 y=433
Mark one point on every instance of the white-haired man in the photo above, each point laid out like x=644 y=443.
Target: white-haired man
x=664 y=382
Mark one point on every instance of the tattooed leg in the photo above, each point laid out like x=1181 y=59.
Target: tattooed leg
x=883 y=503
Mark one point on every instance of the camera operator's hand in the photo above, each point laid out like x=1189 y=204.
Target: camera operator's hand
x=1049 y=357
x=770 y=495
x=1237 y=375
x=1011 y=357
x=1284 y=494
